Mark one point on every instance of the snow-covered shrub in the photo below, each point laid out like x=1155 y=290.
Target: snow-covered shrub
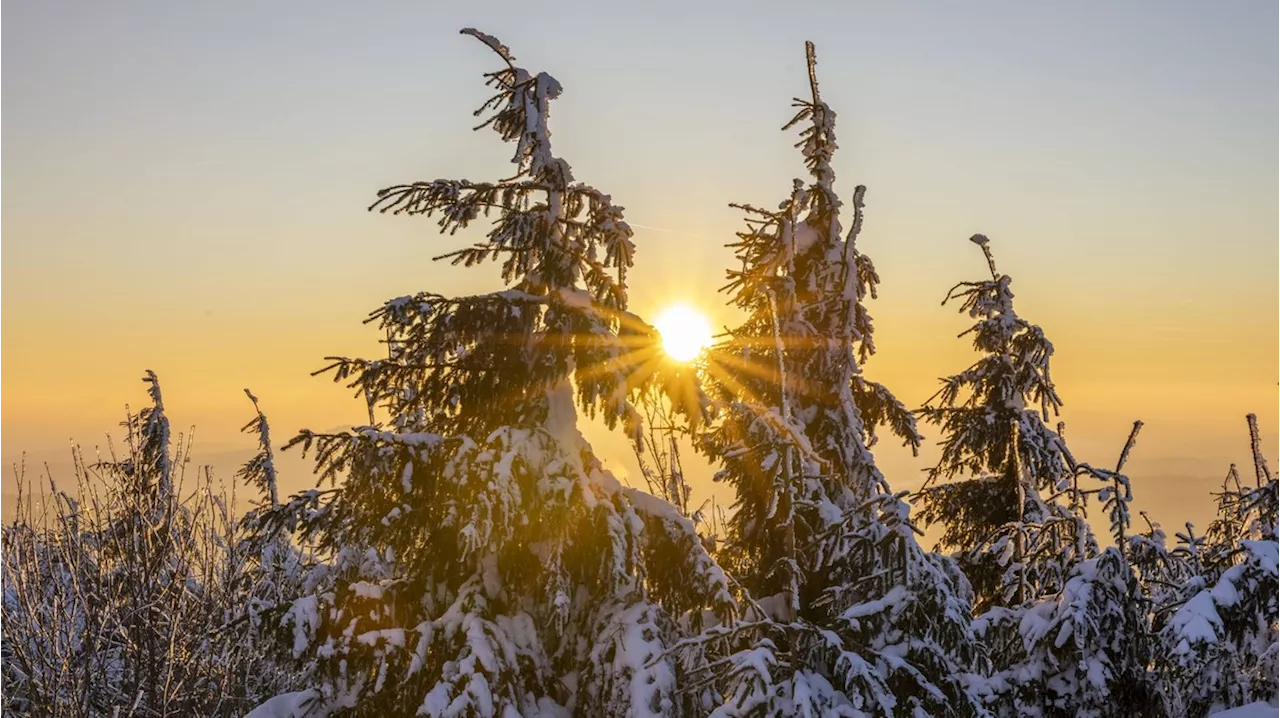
x=127 y=598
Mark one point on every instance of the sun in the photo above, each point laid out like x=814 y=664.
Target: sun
x=685 y=332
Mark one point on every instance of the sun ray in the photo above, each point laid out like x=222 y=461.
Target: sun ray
x=729 y=382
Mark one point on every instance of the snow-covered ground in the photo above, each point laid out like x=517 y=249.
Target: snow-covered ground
x=1253 y=710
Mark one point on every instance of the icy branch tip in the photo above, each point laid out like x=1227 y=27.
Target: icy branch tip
x=493 y=42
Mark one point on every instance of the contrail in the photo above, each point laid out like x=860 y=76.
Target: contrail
x=652 y=229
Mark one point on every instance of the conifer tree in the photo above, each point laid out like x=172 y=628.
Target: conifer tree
x=483 y=562
x=845 y=615
x=1086 y=649
x=271 y=573
x=260 y=470
x=1222 y=539
x=1219 y=645
x=1162 y=570
x=1002 y=465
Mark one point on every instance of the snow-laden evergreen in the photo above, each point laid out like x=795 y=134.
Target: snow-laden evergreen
x=272 y=573
x=845 y=614
x=483 y=562
x=1219 y=645
x=1079 y=652
x=1085 y=649
x=465 y=553
x=1000 y=485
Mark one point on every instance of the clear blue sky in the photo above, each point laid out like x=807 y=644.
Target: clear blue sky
x=186 y=182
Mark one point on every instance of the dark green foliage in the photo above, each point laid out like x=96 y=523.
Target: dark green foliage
x=999 y=457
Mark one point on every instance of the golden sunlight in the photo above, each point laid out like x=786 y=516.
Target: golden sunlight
x=685 y=332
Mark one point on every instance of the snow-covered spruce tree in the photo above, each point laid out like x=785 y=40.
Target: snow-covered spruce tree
x=1199 y=560
x=271 y=573
x=1085 y=650
x=1002 y=468
x=846 y=615
x=1162 y=571
x=260 y=470
x=1218 y=647
x=1227 y=529
x=483 y=562
x=277 y=565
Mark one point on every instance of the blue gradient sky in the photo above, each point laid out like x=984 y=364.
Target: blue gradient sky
x=185 y=191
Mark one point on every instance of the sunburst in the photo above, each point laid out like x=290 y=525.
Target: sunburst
x=685 y=332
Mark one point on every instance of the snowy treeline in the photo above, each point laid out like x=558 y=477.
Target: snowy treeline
x=465 y=552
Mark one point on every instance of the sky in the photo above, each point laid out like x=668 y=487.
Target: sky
x=187 y=184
